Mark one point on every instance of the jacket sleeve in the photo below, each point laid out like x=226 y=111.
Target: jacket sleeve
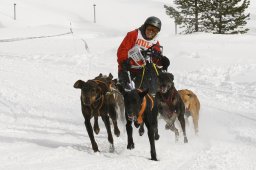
x=127 y=43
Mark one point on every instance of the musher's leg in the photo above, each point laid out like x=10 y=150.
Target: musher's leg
x=124 y=79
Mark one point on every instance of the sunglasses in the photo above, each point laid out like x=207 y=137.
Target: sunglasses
x=152 y=29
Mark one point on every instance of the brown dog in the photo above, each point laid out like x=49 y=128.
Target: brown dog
x=98 y=101
x=192 y=105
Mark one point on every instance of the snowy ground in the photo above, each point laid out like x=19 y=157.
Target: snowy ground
x=41 y=125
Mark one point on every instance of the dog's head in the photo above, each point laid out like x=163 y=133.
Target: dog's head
x=90 y=91
x=165 y=82
x=105 y=78
x=104 y=81
x=132 y=100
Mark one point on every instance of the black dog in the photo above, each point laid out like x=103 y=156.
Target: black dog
x=170 y=104
x=96 y=101
x=140 y=107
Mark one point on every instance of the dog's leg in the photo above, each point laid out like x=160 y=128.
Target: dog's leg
x=195 y=121
x=105 y=119
x=155 y=120
x=170 y=120
x=96 y=125
x=182 y=123
x=141 y=129
x=175 y=130
x=170 y=125
x=113 y=115
x=157 y=136
x=121 y=106
x=173 y=118
x=116 y=129
x=130 y=144
x=186 y=115
x=90 y=133
x=151 y=138
x=187 y=121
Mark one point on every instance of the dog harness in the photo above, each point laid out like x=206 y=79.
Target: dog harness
x=102 y=82
x=143 y=73
x=97 y=106
x=170 y=97
x=169 y=100
x=143 y=107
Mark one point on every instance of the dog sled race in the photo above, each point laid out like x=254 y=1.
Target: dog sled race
x=149 y=97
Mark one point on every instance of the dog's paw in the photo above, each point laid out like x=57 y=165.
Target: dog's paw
x=141 y=131
x=95 y=148
x=130 y=146
x=136 y=124
x=167 y=126
x=157 y=136
x=154 y=159
x=117 y=132
x=153 y=156
x=96 y=130
x=111 y=148
x=185 y=140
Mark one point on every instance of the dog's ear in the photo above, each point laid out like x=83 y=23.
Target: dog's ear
x=99 y=76
x=78 y=84
x=143 y=93
x=110 y=76
x=170 y=75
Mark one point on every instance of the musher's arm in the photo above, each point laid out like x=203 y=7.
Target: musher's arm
x=127 y=43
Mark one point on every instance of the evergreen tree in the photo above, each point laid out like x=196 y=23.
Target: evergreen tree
x=187 y=14
x=225 y=16
x=217 y=16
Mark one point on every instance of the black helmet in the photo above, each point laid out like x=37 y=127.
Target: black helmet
x=154 y=21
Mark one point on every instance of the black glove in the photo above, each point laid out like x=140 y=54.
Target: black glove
x=126 y=65
x=152 y=53
x=156 y=54
x=145 y=53
x=165 y=62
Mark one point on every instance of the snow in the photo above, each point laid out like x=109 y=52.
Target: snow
x=41 y=125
